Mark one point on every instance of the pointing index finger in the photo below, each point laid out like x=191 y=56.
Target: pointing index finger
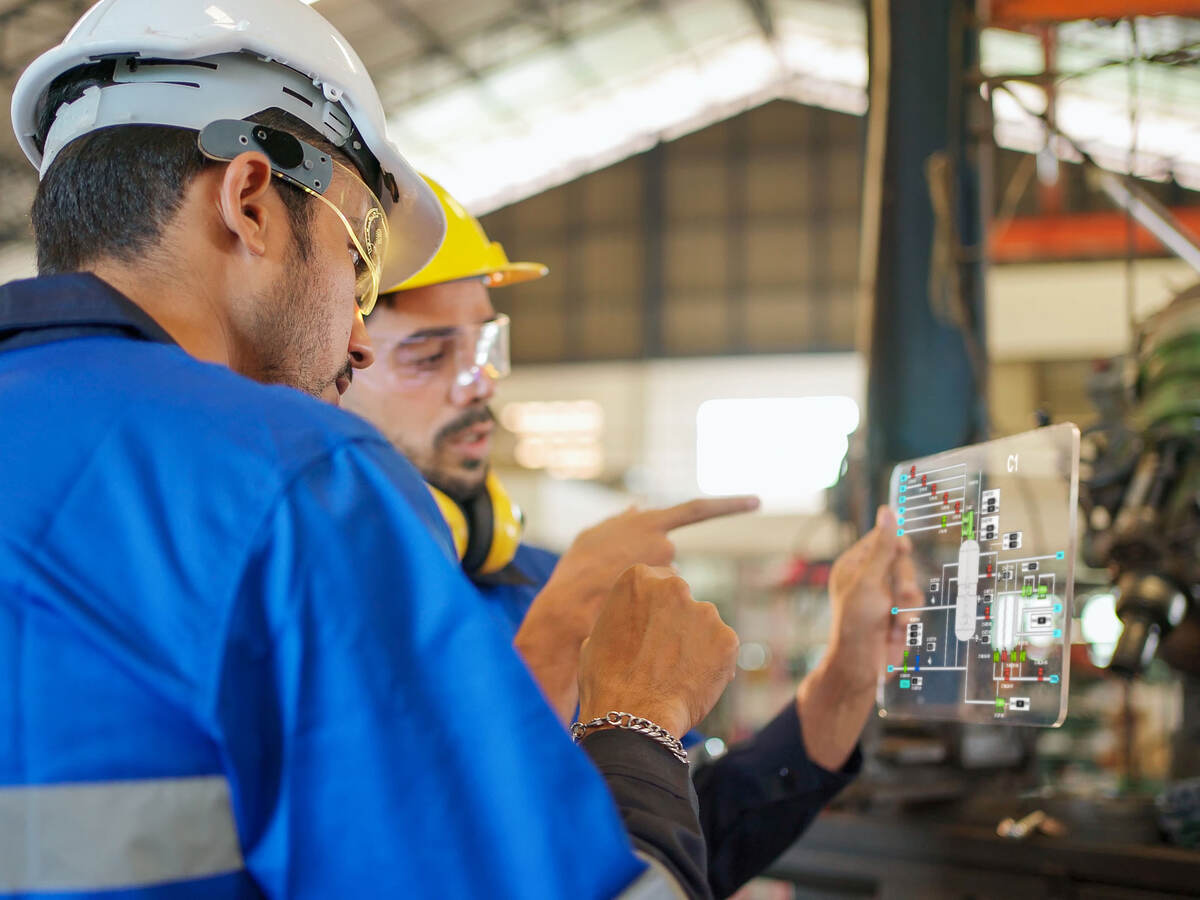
x=704 y=508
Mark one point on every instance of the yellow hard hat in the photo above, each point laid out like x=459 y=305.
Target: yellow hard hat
x=466 y=252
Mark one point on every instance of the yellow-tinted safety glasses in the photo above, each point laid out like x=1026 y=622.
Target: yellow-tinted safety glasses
x=313 y=171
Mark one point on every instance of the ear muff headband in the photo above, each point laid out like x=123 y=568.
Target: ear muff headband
x=507 y=526
x=487 y=530
x=454 y=518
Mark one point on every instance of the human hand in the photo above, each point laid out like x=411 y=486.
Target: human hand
x=588 y=570
x=874 y=575
x=656 y=653
x=835 y=699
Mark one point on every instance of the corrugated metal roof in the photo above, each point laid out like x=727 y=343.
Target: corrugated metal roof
x=501 y=99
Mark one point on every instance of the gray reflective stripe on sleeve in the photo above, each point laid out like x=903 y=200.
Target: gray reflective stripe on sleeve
x=113 y=834
x=656 y=883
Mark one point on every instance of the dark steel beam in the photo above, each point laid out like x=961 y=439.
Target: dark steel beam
x=435 y=43
x=923 y=328
x=654 y=218
x=574 y=276
x=737 y=237
x=820 y=240
x=616 y=16
x=761 y=10
x=548 y=18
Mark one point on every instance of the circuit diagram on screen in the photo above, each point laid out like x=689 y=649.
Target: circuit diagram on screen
x=993 y=547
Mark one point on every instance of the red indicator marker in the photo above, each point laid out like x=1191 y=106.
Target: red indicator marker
x=912 y=473
x=946 y=499
x=987 y=612
x=924 y=479
x=933 y=488
x=958 y=509
x=1004 y=656
x=989 y=568
x=1041 y=676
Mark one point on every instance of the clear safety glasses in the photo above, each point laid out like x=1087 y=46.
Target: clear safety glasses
x=315 y=172
x=461 y=355
x=366 y=224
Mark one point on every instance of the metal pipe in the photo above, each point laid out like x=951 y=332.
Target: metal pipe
x=1150 y=214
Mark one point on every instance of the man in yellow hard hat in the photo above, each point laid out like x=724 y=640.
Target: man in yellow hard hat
x=441 y=347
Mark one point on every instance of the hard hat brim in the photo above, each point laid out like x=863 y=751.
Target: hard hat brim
x=499 y=276
x=515 y=273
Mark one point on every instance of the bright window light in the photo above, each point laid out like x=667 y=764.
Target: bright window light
x=787 y=450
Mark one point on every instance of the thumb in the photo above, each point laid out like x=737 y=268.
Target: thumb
x=885 y=542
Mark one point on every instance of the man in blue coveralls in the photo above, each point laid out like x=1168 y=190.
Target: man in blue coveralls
x=441 y=347
x=237 y=655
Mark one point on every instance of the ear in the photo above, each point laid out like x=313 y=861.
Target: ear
x=241 y=200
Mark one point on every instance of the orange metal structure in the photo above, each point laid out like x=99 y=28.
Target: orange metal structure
x=1095 y=235
x=1015 y=13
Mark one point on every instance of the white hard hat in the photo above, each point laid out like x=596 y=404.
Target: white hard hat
x=239 y=57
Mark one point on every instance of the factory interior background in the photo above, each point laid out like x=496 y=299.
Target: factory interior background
x=724 y=196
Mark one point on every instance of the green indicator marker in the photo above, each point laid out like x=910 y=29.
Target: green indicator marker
x=1027 y=591
x=995 y=656
x=999 y=703
x=968 y=525
x=1043 y=590
x=1024 y=656
x=943 y=521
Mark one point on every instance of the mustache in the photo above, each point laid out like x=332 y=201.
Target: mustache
x=476 y=416
x=346 y=371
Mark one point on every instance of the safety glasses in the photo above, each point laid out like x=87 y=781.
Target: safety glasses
x=315 y=172
x=460 y=354
x=362 y=214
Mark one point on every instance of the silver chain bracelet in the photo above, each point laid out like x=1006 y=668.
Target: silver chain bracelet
x=633 y=723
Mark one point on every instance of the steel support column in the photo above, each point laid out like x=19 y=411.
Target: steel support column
x=654 y=225
x=923 y=312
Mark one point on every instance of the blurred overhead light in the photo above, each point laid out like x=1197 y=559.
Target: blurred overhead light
x=564 y=438
x=787 y=450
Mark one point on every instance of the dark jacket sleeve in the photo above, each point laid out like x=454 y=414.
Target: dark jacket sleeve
x=653 y=791
x=758 y=798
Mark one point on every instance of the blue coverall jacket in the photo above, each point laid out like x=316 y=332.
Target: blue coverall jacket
x=236 y=658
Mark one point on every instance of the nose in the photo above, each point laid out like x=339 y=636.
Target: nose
x=475 y=386
x=362 y=354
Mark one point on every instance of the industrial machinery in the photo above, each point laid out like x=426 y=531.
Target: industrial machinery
x=1140 y=487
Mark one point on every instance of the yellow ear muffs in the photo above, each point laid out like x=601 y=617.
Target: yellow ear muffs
x=486 y=530
x=507 y=526
x=454 y=518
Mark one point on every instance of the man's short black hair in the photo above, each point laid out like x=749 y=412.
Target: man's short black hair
x=109 y=194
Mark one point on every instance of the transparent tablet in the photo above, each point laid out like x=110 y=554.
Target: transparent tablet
x=993 y=534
